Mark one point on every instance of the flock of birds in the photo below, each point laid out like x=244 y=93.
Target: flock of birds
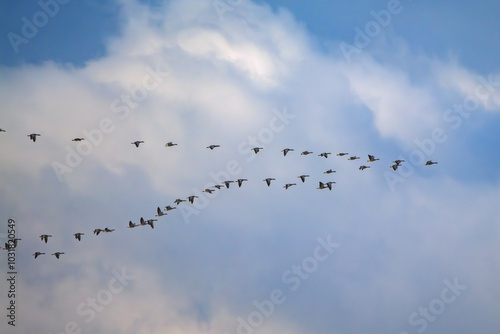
x=12 y=243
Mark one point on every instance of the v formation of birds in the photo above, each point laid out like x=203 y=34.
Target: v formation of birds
x=12 y=244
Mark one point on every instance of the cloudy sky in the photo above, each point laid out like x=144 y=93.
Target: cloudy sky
x=408 y=251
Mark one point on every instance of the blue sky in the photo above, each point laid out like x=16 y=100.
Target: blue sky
x=406 y=251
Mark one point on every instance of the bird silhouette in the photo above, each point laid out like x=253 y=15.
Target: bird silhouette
x=33 y=136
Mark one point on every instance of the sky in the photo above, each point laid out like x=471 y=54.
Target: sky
x=402 y=251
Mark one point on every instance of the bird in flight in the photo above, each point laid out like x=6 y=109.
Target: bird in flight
x=213 y=146
x=363 y=167
x=329 y=171
x=159 y=212
x=78 y=236
x=257 y=149
x=324 y=154
x=170 y=144
x=45 y=237
x=97 y=231
x=2 y=130
x=286 y=150
x=371 y=158
x=37 y=254
x=240 y=181
x=131 y=225
x=430 y=162
x=33 y=136
x=227 y=183
x=341 y=154
x=353 y=158
x=208 y=191
x=303 y=177
x=57 y=254
x=77 y=139
x=137 y=143
x=288 y=185
x=398 y=162
x=306 y=153
x=268 y=181
x=168 y=208
x=179 y=201
x=191 y=198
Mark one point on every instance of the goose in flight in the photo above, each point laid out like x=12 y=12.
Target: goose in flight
x=324 y=154
x=57 y=254
x=209 y=191
x=240 y=181
x=286 y=150
x=191 y=198
x=303 y=177
x=363 y=167
x=329 y=184
x=227 y=183
x=179 y=201
x=151 y=223
x=430 y=162
x=398 y=162
x=288 y=185
x=131 y=225
x=322 y=185
x=78 y=236
x=341 y=154
x=306 y=153
x=108 y=230
x=170 y=144
x=395 y=166
x=329 y=171
x=218 y=186
x=353 y=158
x=268 y=181
x=159 y=212
x=213 y=146
x=142 y=222
x=97 y=231
x=137 y=143
x=77 y=139
x=45 y=237
x=38 y=254
x=168 y=207
x=2 y=130
x=257 y=149
x=33 y=136
x=371 y=158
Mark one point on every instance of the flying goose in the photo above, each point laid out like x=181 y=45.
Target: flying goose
x=324 y=154
x=168 y=207
x=179 y=201
x=209 y=191
x=97 y=231
x=160 y=212
x=430 y=162
x=151 y=223
x=268 y=181
x=257 y=149
x=227 y=183
x=142 y=222
x=322 y=185
x=45 y=237
x=191 y=198
x=363 y=167
x=371 y=158
x=240 y=181
x=306 y=153
x=77 y=139
x=329 y=171
x=341 y=154
x=303 y=177
x=288 y=185
x=137 y=143
x=353 y=158
x=329 y=184
x=131 y=225
x=33 y=136
x=218 y=186
x=108 y=230
x=2 y=130
x=170 y=144
x=398 y=162
x=78 y=236
x=37 y=254
x=213 y=146
x=57 y=254
x=395 y=166
x=286 y=150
